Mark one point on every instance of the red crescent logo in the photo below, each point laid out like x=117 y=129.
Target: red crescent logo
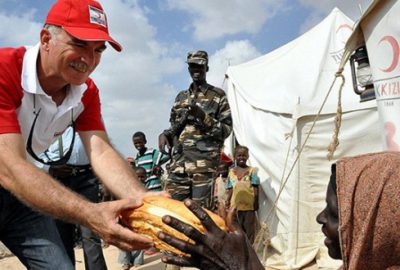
x=344 y=26
x=396 y=49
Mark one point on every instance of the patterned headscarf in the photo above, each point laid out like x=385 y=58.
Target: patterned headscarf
x=368 y=190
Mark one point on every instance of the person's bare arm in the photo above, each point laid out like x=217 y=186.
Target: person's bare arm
x=110 y=167
x=38 y=190
x=228 y=197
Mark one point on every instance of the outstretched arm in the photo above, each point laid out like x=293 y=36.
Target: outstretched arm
x=110 y=167
x=214 y=250
x=37 y=189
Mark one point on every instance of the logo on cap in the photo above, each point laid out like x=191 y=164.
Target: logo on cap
x=97 y=16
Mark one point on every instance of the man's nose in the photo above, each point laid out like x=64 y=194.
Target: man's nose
x=89 y=59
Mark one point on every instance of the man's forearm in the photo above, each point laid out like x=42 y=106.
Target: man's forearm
x=110 y=167
x=116 y=175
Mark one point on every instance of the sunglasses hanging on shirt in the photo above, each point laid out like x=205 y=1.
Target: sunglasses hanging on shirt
x=64 y=159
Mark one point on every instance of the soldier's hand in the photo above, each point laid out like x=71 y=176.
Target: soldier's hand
x=196 y=112
x=162 y=142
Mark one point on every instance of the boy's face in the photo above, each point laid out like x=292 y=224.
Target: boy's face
x=139 y=143
x=141 y=175
x=241 y=157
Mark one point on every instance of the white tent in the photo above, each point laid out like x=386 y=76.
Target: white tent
x=274 y=100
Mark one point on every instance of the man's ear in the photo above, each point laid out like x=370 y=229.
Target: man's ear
x=45 y=37
x=207 y=68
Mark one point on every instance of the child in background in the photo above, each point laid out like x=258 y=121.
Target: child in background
x=242 y=186
x=220 y=194
x=141 y=174
x=149 y=159
x=132 y=258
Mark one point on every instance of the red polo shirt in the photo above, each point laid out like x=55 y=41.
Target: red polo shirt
x=21 y=95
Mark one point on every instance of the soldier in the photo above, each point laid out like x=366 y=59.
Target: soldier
x=200 y=121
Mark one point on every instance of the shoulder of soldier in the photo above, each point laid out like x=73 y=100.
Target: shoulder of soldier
x=182 y=95
x=217 y=90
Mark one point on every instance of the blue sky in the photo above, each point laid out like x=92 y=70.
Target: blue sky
x=138 y=86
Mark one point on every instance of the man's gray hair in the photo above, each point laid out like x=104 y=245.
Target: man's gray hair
x=53 y=29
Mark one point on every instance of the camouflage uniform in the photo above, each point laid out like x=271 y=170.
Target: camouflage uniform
x=192 y=170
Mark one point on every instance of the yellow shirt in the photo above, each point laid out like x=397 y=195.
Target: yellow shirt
x=243 y=192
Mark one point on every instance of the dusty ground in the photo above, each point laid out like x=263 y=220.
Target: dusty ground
x=111 y=253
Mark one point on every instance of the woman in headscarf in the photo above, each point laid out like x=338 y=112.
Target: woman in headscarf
x=362 y=217
x=361 y=222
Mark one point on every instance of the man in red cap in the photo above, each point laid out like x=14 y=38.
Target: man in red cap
x=43 y=90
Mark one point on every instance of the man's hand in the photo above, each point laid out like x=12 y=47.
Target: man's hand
x=162 y=142
x=214 y=250
x=196 y=112
x=104 y=221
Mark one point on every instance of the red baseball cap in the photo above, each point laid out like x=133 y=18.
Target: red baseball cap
x=82 y=19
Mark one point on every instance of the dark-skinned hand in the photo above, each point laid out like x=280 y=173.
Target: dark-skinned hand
x=163 y=142
x=157 y=170
x=196 y=112
x=214 y=250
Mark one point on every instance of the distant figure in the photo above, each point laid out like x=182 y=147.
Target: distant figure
x=200 y=122
x=141 y=174
x=242 y=185
x=201 y=119
x=220 y=192
x=150 y=159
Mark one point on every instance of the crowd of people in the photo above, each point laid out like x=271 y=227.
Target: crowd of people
x=56 y=157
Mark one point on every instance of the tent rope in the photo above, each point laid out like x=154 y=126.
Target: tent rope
x=264 y=234
x=338 y=121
